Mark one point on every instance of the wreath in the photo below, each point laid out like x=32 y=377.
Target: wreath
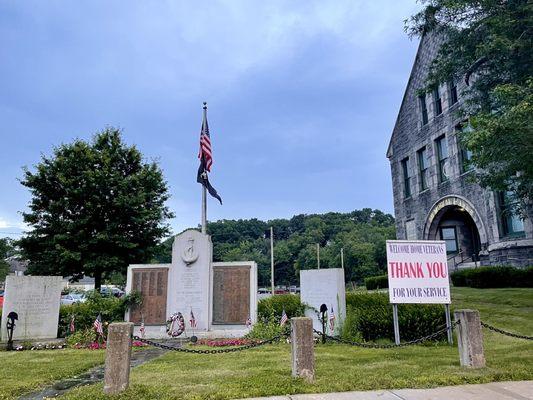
x=175 y=325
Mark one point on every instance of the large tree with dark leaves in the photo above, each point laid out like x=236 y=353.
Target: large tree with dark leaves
x=96 y=207
x=489 y=46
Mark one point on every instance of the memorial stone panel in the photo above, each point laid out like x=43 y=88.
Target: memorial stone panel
x=36 y=301
x=152 y=284
x=324 y=286
x=190 y=278
x=231 y=294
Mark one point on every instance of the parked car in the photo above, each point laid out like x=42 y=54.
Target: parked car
x=1 y=298
x=72 y=298
x=108 y=292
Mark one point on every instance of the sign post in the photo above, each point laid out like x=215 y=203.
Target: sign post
x=418 y=274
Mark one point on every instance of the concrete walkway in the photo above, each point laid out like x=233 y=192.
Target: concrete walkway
x=522 y=390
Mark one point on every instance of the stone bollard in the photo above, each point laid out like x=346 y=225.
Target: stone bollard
x=302 y=348
x=118 y=357
x=470 y=338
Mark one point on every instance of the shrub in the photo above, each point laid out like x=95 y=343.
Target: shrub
x=377 y=282
x=112 y=309
x=272 y=307
x=369 y=318
x=493 y=277
x=82 y=338
x=267 y=329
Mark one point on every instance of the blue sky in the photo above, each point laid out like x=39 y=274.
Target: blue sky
x=302 y=96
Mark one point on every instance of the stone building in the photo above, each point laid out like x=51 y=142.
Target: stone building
x=435 y=197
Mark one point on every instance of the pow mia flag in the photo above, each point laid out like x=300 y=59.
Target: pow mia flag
x=206 y=158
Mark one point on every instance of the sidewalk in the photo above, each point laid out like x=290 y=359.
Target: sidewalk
x=522 y=390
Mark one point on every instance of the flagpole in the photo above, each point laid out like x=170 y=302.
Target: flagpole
x=204 y=190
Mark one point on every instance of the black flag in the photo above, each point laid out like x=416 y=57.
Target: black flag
x=206 y=158
x=204 y=180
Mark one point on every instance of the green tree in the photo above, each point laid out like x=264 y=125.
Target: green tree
x=489 y=44
x=6 y=250
x=96 y=207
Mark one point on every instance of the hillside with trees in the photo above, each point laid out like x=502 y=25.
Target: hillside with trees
x=362 y=234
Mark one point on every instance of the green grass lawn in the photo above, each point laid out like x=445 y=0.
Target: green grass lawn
x=266 y=371
x=24 y=371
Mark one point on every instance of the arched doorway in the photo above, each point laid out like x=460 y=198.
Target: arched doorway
x=454 y=220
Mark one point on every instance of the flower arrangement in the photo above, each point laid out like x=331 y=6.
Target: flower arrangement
x=30 y=346
x=224 y=342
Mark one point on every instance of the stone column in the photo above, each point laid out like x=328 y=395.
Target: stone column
x=118 y=357
x=302 y=348
x=470 y=338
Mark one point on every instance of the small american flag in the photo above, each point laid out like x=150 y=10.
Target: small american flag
x=248 y=322
x=205 y=145
x=192 y=321
x=284 y=318
x=331 y=320
x=72 y=327
x=98 y=327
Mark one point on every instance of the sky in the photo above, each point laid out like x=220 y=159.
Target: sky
x=302 y=97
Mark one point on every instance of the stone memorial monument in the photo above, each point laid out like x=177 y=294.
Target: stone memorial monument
x=189 y=277
x=324 y=286
x=222 y=296
x=36 y=301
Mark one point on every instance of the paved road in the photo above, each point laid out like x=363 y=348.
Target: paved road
x=522 y=390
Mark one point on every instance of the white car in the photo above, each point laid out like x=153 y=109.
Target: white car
x=72 y=298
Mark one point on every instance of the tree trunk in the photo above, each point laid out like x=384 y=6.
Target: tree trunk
x=97 y=281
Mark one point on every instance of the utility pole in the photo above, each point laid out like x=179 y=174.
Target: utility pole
x=272 y=259
x=318 y=254
x=342 y=257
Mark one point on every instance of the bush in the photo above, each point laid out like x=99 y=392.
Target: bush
x=272 y=307
x=369 y=318
x=493 y=277
x=112 y=309
x=267 y=329
x=82 y=338
x=377 y=282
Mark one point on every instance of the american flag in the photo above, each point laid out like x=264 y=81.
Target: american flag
x=205 y=144
x=206 y=158
x=98 y=327
x=284 y=318
x=249 y=322
x=331 y=320
x=72 y=327
x=192 y=321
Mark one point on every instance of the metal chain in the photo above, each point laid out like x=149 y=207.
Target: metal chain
x=389 y=346
x=492 y=328
x=218 y=351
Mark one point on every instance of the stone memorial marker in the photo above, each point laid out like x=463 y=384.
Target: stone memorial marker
x=221 y=295
x=36 y=301
x=234 y=292
x=190 y=277
x=152 y=284
x=324 y=286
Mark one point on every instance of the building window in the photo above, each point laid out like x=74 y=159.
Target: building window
x=437 y=101
x=452 y=89
x=465 y=155
x=406 y=178
x=442 y=154
x=423 y=166
x=449 y=235
x=423 y=108
x=512 y=224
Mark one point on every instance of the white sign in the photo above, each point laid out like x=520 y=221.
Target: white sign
x=418 y=271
